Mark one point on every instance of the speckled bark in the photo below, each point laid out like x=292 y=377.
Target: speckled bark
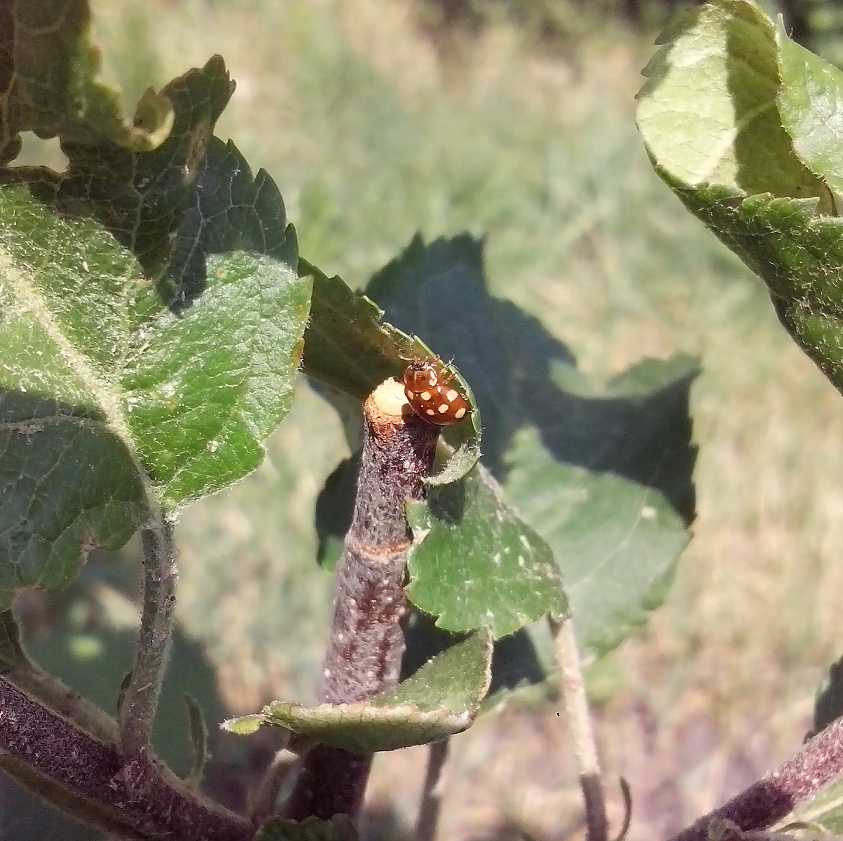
x=778 y=793
x=367 y=641
x=50 y=754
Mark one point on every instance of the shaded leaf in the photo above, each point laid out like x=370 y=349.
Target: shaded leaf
x=438 y=291
x=12 y=655
x=334 y=508
x=616 y=542
x=50 y=68
x=347 y=343
x=67 y=484
x=828 y=704
x=198 y=741
x=637 y=427
x=141 y=197
x=515 y=659
x=94 y=660
x=520 y=375
x=229 y=210
x=477 y=564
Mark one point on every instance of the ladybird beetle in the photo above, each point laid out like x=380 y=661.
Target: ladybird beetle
x=429 y=395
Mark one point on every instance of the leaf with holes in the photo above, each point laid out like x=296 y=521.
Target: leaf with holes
x=50 y=68
x=116 y=398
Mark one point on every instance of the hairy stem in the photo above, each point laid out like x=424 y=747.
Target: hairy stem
x=20 y=671
x=579 y=725
x=72 y=769
x=778 y=793
x=140 y=700
x=364 y=652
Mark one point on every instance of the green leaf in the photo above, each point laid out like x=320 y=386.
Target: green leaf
x=349 y=347
x=12 y=655
x=457 y=679
x=708 y=111
x=347 y=344
x=477 y=564
x=50 y=68
x=68 y=478
x=244 y=725
x=214 y=380
x=442 y=698
x=68 y=483
x=339 y=828
x=515 y=659
x=616 y=542
x=198 y=741
x=810 y=100
x=105 y=389
x=798 y=255
x=637 y=426
x=774 y=218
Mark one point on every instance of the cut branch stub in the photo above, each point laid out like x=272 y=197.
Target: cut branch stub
x=367 y=642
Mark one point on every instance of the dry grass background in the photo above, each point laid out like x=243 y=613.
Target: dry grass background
x=347 y=107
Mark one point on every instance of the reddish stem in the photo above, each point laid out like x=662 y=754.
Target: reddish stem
x=366 y=645
x=778 y=793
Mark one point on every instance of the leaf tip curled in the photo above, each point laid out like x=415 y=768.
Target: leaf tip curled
x=152 y=122
x=244 y=725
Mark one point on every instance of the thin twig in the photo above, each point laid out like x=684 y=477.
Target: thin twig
x=778 y=793
x=140 y=700
x=431 y=803
x=579 y=725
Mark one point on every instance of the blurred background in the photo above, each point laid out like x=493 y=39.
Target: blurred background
x=513 y=119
